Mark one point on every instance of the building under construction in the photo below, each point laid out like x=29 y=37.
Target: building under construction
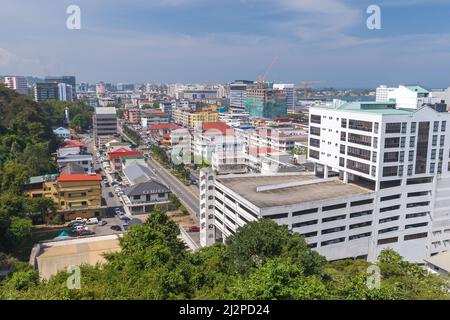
x=263 y=101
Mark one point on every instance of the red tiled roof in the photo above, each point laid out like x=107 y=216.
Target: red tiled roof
x=73 y=143
x=163 y=126
x=256 y=151
x=79 y=177
x=221 y=126
x=282 y=119
x=122 y=152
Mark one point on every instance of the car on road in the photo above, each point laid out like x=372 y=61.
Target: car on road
x=92 y=221
x=193 y=229
x=73 y=224
x=116 y=228
x=79 y=228
x=102 y=223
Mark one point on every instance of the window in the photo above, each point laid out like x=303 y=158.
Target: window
x=390 y=184
x=304 y=224
x=436 y=126
x=402 y=156
x=411 y=156
x=391 y=143
x=359 y=139
x=360 y=225
x=416 y=236
x=390 y=171
x=416 y=215
x=416 y=225
x=393 y=197
x=336 y=218
x=342 y=149
x=374 y=156
x=422 y=147
x=432 y=167
x=404 y=127
x=402 y=142
x=386 y=220
x=316 y=119
x=418 y=204
x=444 y=126
x=343 y=123
x=341 y=162
x=392 y=229
x=418 y=181
x=358 y=166
x=359 y=236
x=309 y=235
x=358 y=153
x=314 y=154
x=413 y=127
x=418 y=194
x=361 y=214
x=412 y=142
x=433 y=154
x=304 y=212
x=314 y=142
x=391 y=157
x=333 y=230
x=254 y=215
x=276 y=216
x=343 y=136
x=410 y=170
x=393 y=127
x=334 y=207
x=442 y=141
x=314 y=131
x=361 y=202
x=391 y=208
x=334 y=241
x=360 y=125
x=387 y=241
x=434 y=141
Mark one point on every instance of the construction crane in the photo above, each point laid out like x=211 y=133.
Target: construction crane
x=262 y=78
x=307 y=85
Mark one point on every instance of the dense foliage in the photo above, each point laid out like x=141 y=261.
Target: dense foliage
x=262 y=261
x=26 y=144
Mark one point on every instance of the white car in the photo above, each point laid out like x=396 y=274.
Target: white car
x=79 y=228
x=92 y=221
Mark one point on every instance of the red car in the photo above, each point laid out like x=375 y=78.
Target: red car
x=193 y=229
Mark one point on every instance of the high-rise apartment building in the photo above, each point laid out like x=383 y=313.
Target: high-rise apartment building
x=382 y=175
x=17 y=83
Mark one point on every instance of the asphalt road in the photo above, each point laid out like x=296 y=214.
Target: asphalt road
x=190 y=200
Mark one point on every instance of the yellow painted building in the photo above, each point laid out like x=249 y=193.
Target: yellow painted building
x=193 y=119
x=76 y=195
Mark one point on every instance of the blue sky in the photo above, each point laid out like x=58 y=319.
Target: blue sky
x=221 y=40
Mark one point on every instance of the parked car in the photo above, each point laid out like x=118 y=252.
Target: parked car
x=79 y=228
x=73 y=224
x=125 y=218
x=193 y=229
x=116 y=228
x=84 y=233
x=102 y=223
x=110 y=194
x=80 y=219
x=125 y=226
x=92 y=221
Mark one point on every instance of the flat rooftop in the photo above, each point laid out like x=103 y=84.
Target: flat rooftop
x=283 y=190
x=77 y=252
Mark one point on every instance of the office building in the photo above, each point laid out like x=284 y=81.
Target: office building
x=68 y=80
x=65 y=92
x=238 y=95
x=17 y=83
x=104 y=124
x=46 y=91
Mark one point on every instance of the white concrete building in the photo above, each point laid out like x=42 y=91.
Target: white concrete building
x=17 y=83
x=382 y=180
x=65 y=92
x=238 y=94
x=382 y=93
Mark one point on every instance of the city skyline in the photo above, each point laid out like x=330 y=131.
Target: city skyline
x=187 y=41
